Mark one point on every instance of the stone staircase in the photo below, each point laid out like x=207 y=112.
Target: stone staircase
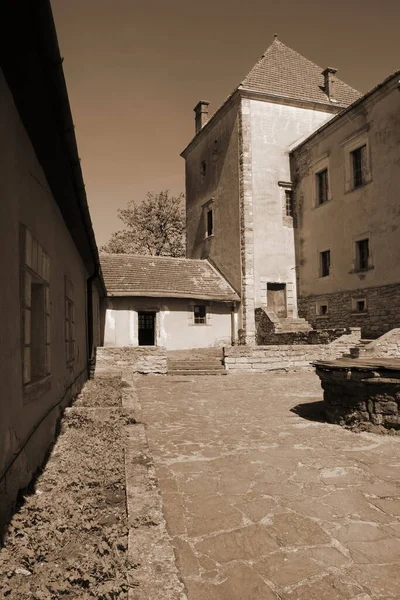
x=196 y=361
x=359 y=350
x=287 y=324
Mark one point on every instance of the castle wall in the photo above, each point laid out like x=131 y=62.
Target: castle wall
x=370 y=211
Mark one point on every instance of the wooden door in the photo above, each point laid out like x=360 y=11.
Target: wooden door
x=276 y=298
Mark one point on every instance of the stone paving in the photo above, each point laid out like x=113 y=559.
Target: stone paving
x=263 y=502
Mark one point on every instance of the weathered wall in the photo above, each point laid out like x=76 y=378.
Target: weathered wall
x=175 y=329
x=361 y=395
x=383 y=309
x=268 y=358
x=275 y=127
x=26 y=199
x=371 y=211
x=218 y=149
x=143 y=359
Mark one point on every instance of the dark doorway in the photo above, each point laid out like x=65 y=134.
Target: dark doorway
x=146 y=328
x=276 y=298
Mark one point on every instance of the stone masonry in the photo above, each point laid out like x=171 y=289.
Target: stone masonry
x=246 y=224
x=382 y=314
x=144 y=359
x=268 y=358
x=357 y=392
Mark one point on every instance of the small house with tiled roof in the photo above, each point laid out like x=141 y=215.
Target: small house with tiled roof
x=176 y=303
x=238 y=182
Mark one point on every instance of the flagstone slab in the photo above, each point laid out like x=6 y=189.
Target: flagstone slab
x=263 y=504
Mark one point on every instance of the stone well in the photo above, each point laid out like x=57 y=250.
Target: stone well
x=357 y=390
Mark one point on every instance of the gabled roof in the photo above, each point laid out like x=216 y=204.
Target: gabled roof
x=285 y=73
x=160 y=276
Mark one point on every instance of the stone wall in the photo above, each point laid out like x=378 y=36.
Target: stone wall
x=388 y=345
x=382 y=310
x=268 y=358
x=359 y=394
x=266 y=334
x=143 y=359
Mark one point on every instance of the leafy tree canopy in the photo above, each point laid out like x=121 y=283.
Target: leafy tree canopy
x=155 y=227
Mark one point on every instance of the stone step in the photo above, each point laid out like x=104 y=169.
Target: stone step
x=198 y=372
x=202 y=365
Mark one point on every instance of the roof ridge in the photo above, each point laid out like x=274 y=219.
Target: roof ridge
x=151 y=256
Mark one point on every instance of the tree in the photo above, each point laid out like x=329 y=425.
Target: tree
x=155 y=227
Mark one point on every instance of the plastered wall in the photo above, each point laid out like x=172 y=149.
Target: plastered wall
x=274 y=128
x=175 y=329
x=26 y=199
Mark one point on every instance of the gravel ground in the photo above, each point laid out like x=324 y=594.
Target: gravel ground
x=69 y=537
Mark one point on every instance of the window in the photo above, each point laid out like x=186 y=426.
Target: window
x=203 y=169
x=69 y=322
x=360 y=305
x=322 y=186
x=35 y=305
x=322 y=309
x=362 y=255
x=199 y=314
x=325 y=263
x=359 y=165
x=289 y=203
x=210 y=222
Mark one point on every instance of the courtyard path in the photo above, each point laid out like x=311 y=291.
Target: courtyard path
x=262 y=502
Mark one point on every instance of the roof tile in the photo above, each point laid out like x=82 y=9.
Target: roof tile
x=285 y=73
x=157 y=276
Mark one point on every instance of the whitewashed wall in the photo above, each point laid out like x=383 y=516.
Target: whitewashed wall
x=175 y=329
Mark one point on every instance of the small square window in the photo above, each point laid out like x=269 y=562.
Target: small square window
x=325 y=263
x=210 y=222
x=199 y=314
x=362 y=254
x=360 y=306
x=322 y=186
x=359 y=165
x=289 y=203
x=322 y=309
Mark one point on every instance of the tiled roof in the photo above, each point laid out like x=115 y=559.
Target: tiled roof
x=160 y=276
x=285 y=73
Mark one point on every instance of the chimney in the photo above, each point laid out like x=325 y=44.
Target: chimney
x=328 y=74
x=201 y=114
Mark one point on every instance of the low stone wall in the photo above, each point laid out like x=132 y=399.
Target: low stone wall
x=269 y=358
x=142 y=359
x=359 y=394
x=382 y=314
x=387 y=345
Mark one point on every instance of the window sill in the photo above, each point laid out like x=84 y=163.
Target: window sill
x=207 y=237
x=36 y=389
x=358 y=271
x=350 y=190
x=323 y=203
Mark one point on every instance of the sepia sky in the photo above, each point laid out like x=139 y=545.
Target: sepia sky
x=136 y=68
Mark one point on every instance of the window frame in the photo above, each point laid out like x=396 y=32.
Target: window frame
x=203 y=317
x=322 y=191
x=351 y=145
x=323 y=272
x=318 y=167
x=318 y=308
x=34 y=271
x=69 y=318
x=360 y=255
x=355 y=301
x=208 y=207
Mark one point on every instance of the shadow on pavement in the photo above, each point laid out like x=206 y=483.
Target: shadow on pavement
x=312 y=411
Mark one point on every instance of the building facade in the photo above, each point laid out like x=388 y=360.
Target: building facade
x=173 y=303
x=238 y=182
x=51 y=290
x=346 y=181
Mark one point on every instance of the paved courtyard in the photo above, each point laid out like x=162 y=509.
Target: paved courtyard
x=264 y=500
